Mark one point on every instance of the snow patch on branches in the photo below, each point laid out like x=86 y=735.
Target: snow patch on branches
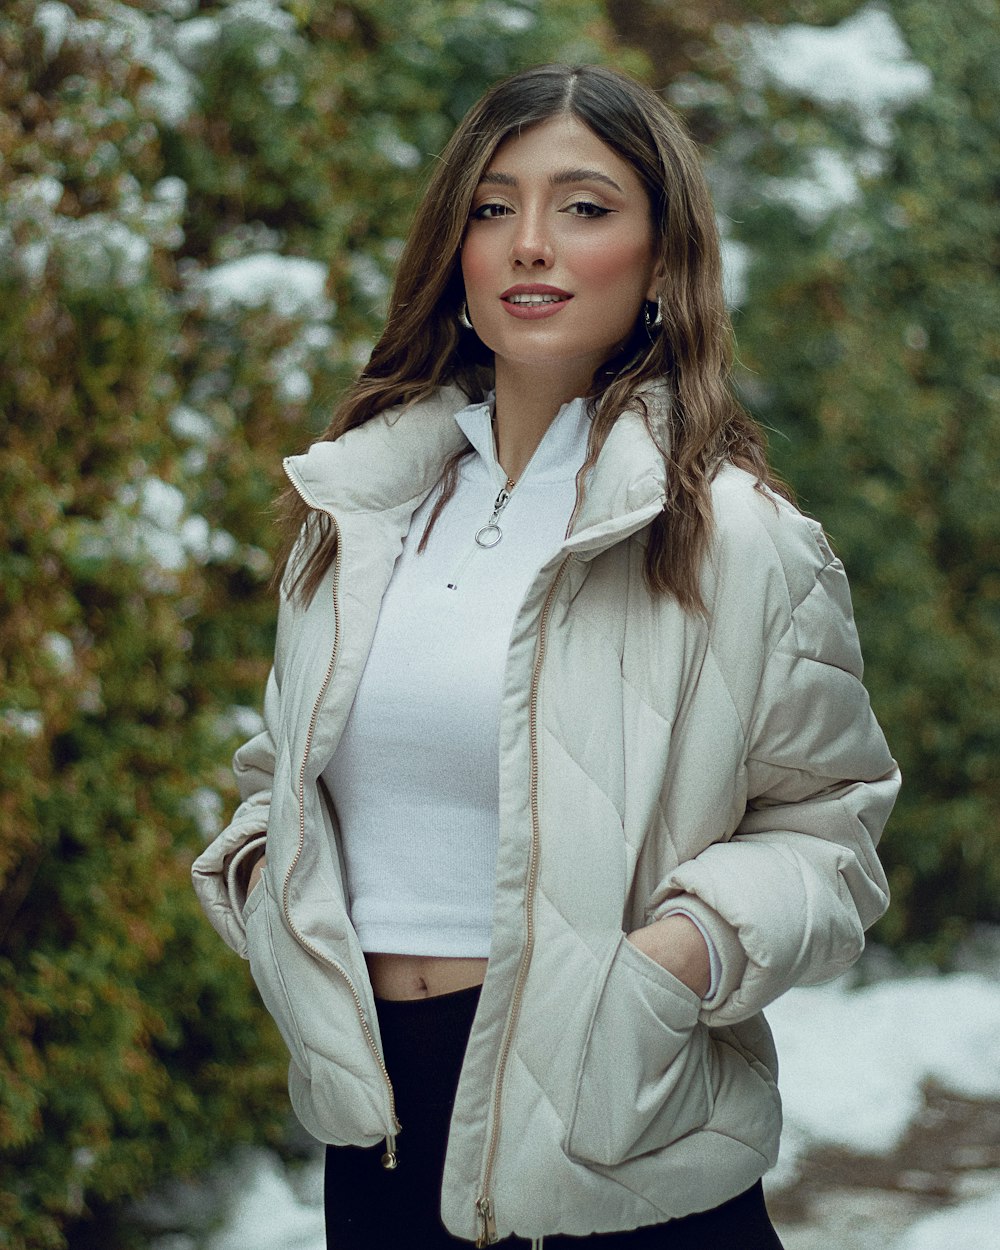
x=169 y=44
x=514 y=18
x=101 y=250
x=267 y=13
x=149 y=524
x=123 y=31
x=239 y=721
x=830 y=181
x=60 y=651
x=164 y=531
x=206 y=808
x=736 y=258
x=292 y=287
x=27 y=724
x=862 y=64
x=191 y=425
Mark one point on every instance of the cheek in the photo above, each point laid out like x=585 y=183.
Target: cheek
x=476 y=262
x=617 y=264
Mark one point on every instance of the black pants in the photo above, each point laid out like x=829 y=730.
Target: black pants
x=370 y=1208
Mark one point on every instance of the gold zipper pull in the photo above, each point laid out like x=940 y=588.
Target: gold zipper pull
x=390 y=1159
x=488 y=1226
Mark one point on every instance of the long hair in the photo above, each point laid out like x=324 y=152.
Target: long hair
x=422 y=346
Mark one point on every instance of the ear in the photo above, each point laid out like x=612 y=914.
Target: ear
x=656 y=282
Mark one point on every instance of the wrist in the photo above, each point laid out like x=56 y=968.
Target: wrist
x=249 y=869
x=676 y=944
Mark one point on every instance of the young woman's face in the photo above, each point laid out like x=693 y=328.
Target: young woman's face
x=558 y=257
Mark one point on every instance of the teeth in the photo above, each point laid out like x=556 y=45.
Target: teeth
x=534 y=299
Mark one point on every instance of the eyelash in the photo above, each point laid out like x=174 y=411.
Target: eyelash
x=594 y=211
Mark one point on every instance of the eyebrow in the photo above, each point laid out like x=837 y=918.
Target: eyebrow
x=497 y=179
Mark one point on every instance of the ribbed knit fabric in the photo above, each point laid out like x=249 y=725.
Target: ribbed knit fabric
x=415 y=779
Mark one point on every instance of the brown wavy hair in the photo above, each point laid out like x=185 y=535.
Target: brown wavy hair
x=422 y=346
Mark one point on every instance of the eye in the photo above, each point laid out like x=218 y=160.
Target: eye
x=489 y=211
x=587 y=208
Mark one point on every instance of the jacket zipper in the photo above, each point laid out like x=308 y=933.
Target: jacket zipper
x=484 y=1203
x=389 y=1157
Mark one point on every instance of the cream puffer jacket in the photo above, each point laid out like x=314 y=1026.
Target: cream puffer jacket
x=646 y=755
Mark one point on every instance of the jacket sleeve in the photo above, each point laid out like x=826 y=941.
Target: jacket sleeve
x=216 y=873
x=787 y=899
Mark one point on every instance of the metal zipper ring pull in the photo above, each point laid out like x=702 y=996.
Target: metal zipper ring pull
x=489 y=535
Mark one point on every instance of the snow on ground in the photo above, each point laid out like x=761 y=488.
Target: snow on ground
x=272 y=1214
x=971 y=1226
x=853 y=1061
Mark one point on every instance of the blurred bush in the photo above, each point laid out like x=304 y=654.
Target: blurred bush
x=200 y=206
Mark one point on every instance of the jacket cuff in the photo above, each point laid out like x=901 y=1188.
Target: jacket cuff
x=723 y=943
x=214 y=874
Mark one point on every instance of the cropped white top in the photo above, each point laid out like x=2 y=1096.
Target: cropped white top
x=415 y=778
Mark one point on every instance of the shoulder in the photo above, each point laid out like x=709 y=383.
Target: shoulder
x=758 y=533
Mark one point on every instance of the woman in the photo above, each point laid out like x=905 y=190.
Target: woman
x=567 y=769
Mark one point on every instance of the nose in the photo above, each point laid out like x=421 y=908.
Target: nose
x=531 y=246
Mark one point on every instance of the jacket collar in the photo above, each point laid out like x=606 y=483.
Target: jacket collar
x=626 y=487
x=392 y=462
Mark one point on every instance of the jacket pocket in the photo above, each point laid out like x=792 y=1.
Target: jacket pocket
x=645 y=1073
x=258 y=919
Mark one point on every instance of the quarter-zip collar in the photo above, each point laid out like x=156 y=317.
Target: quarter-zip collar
x=557 y=457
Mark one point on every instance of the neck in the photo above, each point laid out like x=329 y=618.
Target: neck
x=526 y=406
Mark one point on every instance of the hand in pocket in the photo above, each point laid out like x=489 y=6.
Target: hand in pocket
x=645 y=1076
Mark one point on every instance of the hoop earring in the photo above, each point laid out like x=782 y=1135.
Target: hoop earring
x=463 y=317
x=653 y=322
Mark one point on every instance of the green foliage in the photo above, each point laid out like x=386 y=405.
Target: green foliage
x=199 y=212
x=129 y=1048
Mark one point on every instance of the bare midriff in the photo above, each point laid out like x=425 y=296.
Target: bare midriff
x=422 y=976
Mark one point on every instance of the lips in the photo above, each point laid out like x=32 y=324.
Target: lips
x=531 y=301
